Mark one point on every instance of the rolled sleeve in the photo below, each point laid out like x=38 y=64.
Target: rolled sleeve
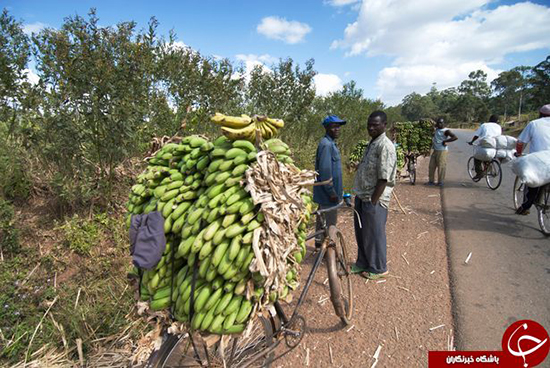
x=387 y=163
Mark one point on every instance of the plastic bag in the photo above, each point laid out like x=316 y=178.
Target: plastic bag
x=533 y=169
x=484 y=154
x=488 y=142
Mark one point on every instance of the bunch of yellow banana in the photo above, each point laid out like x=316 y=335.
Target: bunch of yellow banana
x=244 y=127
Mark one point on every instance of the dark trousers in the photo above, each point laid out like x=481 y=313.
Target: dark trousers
x=529 y=197
x=331 y=217
x=477 y=166
x=371 y=238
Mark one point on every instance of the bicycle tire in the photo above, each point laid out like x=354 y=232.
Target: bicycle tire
x=471 y=168
x=518 y=192
x=339 y=276
x=494 y=171
x=176 y=351
x=544 y=212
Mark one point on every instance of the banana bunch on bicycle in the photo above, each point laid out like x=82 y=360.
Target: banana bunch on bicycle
x=204 y=275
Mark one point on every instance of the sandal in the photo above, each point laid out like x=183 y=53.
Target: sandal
x=357 y=270
x=374 y=276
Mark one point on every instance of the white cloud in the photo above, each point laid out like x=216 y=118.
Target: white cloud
x=252 y=60
x=32 y=77
x=342 y=2
x=326 y=83
x=441 y=41
x=34 y=27
x=281 y=29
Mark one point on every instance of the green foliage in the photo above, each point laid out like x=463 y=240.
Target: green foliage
x=414 y=137
x=9 y=234
x=358 y=151
x=415 y=107
x=15 y=181
x=82 y=234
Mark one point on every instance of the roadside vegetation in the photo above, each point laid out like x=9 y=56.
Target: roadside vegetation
x=71 y=144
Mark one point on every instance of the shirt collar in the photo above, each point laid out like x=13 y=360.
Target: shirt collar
x=329 y=138
x=379 y=137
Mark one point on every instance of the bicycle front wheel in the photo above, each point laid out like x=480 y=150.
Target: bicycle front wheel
x=543 y=208
x=339 y=276
x=471 y=168
x=519 y=187
x=493 y=176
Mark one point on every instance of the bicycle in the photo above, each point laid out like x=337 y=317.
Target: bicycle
x=491 y=170
x=256 y=346
x=542 y=203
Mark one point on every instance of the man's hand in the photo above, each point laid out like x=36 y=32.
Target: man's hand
x=444 y=143
x=333 y=198
x=470 y=143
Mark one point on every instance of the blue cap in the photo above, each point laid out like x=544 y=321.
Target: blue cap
x=333 y=119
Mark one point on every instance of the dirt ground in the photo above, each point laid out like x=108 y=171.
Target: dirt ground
x=403 y=317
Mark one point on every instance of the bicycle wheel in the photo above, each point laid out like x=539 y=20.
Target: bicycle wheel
x=543 y=208
x=493 y=176
x=338 y=267
x=208 y=350
x=471 y=168
x=518 y=192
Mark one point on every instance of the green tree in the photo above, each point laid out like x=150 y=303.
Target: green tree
x=474 y=97
x=14 y=56
x=540 y=84
x=415 y=107
x=96 y=93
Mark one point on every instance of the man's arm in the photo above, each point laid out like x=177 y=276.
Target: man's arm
x=473 y=140
x=325 y=171
x=451 y=135
x=386 y=166
x=523 y=139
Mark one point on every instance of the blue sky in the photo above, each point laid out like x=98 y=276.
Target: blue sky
x=389 y=47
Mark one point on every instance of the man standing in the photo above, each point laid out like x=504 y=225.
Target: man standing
x=438 y=158
x=487 y=130
x=374 y=182
x=537 y=134
x=329 y=166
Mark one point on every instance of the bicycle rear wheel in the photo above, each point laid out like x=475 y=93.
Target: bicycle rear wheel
x=239 y=351
x=493 y=177
x=518 y=192
x=543 y=208
x=339 y=272
x=471 y=168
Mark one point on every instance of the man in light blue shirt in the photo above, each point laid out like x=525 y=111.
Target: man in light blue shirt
x=329 y=166
x=438 y=159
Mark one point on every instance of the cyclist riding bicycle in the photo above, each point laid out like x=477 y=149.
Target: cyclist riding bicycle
x=486 y=130
x=537 y=135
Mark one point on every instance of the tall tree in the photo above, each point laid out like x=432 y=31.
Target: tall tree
x=14 y=56
x=416 y=106
x=96 y=100
x=540 y=84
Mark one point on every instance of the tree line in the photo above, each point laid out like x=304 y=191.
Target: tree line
x=104 y=92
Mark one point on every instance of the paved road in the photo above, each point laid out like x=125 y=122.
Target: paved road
x=508 y=275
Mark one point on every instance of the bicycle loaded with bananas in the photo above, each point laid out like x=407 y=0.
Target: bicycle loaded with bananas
x=235 y=217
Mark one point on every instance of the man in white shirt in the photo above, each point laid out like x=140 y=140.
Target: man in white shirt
x=486 y=130
x=537 y=135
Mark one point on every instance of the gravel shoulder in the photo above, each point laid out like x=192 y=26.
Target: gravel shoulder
x=399 y=314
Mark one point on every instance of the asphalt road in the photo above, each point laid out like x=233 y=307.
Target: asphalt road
x=508 y=275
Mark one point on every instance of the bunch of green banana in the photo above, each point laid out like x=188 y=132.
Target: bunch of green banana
x=209 y=223
x=244 y=127
x=219 y=306
x=279 y=148
x=156 y=284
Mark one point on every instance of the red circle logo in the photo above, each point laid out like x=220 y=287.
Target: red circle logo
x=526 y=343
